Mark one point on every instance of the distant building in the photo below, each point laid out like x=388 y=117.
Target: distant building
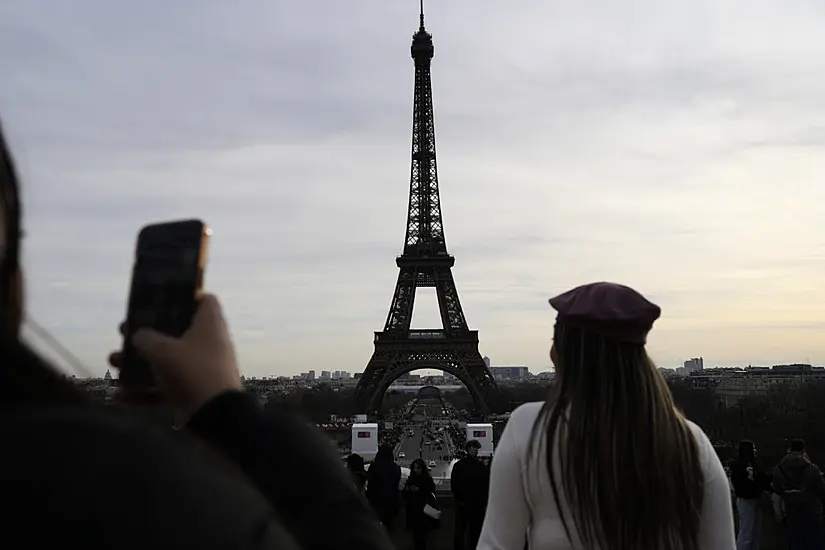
x=325 y=375
x=732 y=385
x=797 y=369
x=487 y=362
x=693 y=365
x=510 y=373
x=450 y=379
x=408 y=379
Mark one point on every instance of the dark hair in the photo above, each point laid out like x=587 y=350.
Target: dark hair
x=24 y=376
x=10 y=298
x=472 y=443
x=384 y=454
x=423 y=465
x=611 y=421
x=798 y=446
x=746 y=451
x=355 y=462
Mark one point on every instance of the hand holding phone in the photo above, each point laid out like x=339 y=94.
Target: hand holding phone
x=167 y=282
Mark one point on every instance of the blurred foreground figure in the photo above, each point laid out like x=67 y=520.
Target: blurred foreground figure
x=76 y=474
x=606 y=462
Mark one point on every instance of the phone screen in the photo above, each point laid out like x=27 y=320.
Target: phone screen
x=166 y=283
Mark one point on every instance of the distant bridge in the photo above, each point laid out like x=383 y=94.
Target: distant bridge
x=414 y=389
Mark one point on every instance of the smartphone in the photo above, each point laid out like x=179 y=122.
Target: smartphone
x=167 y=282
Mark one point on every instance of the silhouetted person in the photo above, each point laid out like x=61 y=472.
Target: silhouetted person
x=607 y=461
x=800 y=484
x=100 y=478
x=355 y=466
x=419 y=491
x=383 y=491
x=470 y=482
x=749 y=482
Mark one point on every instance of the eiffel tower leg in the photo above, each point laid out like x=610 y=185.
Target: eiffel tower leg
x=373 y=380
x=452 y=315
x=403 y=300
x=473 y=372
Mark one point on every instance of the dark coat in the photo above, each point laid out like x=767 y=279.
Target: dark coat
x=746 y=485
x=801 y=487
x=470 y=483
x=77 y=474
x=418 y=492
x=383 y=488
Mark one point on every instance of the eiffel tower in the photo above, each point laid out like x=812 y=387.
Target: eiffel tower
x=425 y=263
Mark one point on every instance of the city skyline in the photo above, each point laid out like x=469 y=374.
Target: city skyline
x=317 y=373
x=672 y=148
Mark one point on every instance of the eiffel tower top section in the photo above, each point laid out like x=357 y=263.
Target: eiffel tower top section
x=425 y=230
x=422 y=46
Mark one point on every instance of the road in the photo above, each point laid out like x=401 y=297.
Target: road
x=416 y=446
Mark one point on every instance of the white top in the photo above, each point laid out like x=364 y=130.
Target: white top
x=521 y=499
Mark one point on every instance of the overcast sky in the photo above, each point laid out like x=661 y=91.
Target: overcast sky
x=672 y=146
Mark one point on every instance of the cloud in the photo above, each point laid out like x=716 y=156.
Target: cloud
x=675 y=148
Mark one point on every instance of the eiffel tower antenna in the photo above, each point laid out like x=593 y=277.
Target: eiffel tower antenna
x=425 y=263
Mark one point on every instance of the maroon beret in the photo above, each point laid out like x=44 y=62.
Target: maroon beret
x=615 y=311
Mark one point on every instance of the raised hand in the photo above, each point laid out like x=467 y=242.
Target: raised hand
x=194 y=368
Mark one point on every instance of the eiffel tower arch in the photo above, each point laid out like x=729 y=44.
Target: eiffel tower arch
x=425 y=263
x=391 y=360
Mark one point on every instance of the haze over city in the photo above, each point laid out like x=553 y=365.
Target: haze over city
x=672 y=147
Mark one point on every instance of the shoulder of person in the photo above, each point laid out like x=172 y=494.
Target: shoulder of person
x=113 y=467
x=515 y=439
x=707 y=454
x=699 y=435
x=813 y=471
x=524 y=416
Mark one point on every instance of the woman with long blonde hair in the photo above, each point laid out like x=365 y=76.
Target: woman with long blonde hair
x=607 y=462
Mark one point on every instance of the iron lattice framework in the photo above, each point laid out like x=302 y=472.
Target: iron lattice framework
x=424 y=263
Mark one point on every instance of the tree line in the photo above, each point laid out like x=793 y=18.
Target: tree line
x=771 y=419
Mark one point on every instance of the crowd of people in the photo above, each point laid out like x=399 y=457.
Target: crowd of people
x=796 y=488
x=383 y=487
